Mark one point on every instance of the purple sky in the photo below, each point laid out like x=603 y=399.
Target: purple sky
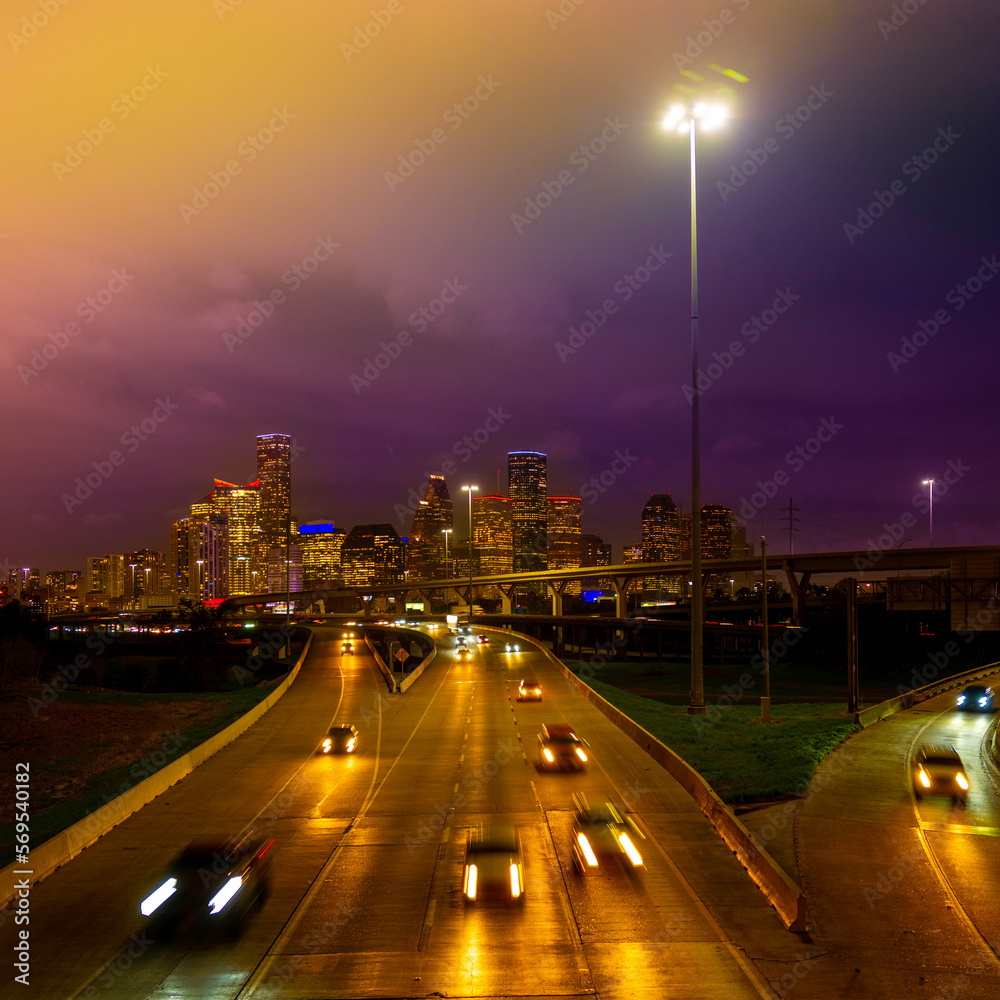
x=176 y=225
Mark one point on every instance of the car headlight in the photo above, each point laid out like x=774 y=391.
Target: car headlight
x=327 y=743
x=547 y=754
x=226 y=893
x=588 y=852
x=470 y=881
x=515 y=882
x=923 y=778
x=982 y=701
x=350 y=744
x=629 y=848
x=581 y=754
x=157 y=897
x=963 y=781
x=961 y=699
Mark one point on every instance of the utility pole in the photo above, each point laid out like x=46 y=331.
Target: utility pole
x=765 y=701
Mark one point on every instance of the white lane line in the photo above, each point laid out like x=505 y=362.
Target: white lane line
x=978 y=831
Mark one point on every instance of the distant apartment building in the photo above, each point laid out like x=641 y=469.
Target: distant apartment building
x=106 y=576
x=65 y=591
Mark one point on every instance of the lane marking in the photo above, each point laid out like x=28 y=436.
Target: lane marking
x=978 y=831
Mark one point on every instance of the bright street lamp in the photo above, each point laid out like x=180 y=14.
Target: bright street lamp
x=929 y=483
x=690 y=118
x=470 y=490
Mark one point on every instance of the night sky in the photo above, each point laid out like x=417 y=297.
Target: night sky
x=217 y=216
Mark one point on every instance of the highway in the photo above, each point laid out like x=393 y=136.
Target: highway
x=366 y=898
x=903 y=892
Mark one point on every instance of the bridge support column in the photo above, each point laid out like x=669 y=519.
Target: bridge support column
x=620 y=584
x=506 y=598
x=556 y=590
x=798 y=591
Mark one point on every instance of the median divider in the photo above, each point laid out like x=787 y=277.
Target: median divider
x=390 y=681
x=56 y=851
x=908 y=699
x=779 y=890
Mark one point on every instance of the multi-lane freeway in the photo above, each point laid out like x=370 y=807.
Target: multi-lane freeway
x=366 y=896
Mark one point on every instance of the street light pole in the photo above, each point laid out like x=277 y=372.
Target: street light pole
x=929 y=483
x=765 y=701
x=470 y=490
x=687 y=119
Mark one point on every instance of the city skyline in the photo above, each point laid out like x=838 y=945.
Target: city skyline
x=470 y=235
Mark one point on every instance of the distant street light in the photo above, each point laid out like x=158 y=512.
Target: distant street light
x=470 y=490
x=929 y=483
x=689 y=118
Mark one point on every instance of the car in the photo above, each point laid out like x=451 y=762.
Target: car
x=339 y=739
x=976 y=698
x=493 y=866
x=529 y=690
x=604 y=836
x=482 y=639
x=511 y=647
x=462 y=653
x=459 y=641
x=210 y=886
x=346 y=646
x=560 y=749
x=938 y=770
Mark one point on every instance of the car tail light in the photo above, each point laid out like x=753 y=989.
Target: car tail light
x=350 y=744
x=629 y=848
x=151 y=903
x=515 y=882
x=547 y=754
x=923 y=778
x=327 y=743
x=581 y=754
x=471 y=875
x=588 y=852
x=963 y=781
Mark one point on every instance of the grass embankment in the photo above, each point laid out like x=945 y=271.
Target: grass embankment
x=741 y=759
x=88 y=747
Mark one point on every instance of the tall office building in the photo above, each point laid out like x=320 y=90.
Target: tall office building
x=717 y=527
x=274 y=475
x=372 y=554
x=565 y=515
x=106 y=575
x=661 y=539
x=594 y=552
x=241 y=507
x=528 y=490
x=199 y=556
x=493 y=537
x=65 y=590
x=320 y=543
x=284 y=568
x=145 y=570
x=427 y=541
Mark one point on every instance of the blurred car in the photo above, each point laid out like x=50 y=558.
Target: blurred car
x=462 y=653
x=976 y=698
x=938 y=770
x=339 y=739
x=346 y=646
x=481 y=639
x=459 y=640
x=529 y=690
x=560 y=749
x=604 y=836
x=493 y=866
x=211 y=886
x=512 y=647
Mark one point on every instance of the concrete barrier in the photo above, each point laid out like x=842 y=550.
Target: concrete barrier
x=390 y=681
x=404 y=684
x=55 y=852
x=779 y=890
x=910 y=698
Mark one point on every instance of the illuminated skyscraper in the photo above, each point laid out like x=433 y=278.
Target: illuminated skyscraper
x=274 y=475
x=241 y=506
x=528 y=490
x=565 y=515
x=372 y=554
x=661 y=539
x=145 y=572
x=320 y=543
x=493 y=536
x=426 y=548
x=106 y=575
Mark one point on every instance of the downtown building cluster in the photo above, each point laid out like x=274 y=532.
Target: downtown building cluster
x=242 y=540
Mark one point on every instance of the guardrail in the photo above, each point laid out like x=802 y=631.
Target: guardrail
x=56 y=851
x=913 y=697
x=780 y=891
